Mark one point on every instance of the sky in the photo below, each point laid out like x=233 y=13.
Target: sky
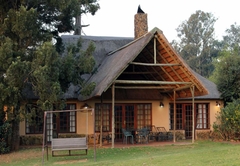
x=116 y=17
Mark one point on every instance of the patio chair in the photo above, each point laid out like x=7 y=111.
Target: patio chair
x=127 y=134
x=153 y=133
x=163 y=134
x=142 y=135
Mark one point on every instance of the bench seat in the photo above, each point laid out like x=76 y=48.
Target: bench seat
x=59 y=144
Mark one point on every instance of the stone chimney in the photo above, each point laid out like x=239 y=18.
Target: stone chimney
x=140 y=23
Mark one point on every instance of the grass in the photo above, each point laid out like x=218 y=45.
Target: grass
x=200 y=153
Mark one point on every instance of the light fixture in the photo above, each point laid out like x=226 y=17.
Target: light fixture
x=161 y=104
x=218 y=103
x=85 y=106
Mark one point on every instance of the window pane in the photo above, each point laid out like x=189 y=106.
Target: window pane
x=144 y=115
x=179 y=117
x=67 y=120
x=202 y=116
x=104 y=116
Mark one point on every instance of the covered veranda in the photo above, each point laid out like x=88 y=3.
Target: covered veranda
x=146 y=69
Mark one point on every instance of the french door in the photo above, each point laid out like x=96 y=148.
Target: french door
x=124 y=118
x=188 y=121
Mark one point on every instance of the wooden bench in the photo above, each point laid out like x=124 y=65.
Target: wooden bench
x=60 y=144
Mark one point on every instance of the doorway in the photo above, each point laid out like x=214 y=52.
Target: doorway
x=188 y=121
x=124 y=118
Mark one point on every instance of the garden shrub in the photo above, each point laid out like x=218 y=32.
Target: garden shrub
x=208 y=135
x=203 y=135
x=179 y=135
x=228 y=121
x=5 y=132
x=70 y=135
x=28 y=140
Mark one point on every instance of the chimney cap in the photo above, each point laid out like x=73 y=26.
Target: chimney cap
x=139 y=10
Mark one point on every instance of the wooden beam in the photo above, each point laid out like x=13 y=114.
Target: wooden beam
x=144 y=87
x=186 y=71
x=157 y=72
x=148 y=82
x=152 y=64
x=138 y=72
x=155 y=51
x=180 y=88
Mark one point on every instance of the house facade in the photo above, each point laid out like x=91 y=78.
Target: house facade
x=139 y=82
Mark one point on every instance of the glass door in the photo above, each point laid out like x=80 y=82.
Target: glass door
x=129 y=117
x=124 y=118
x=188 y=121
x=118 y=112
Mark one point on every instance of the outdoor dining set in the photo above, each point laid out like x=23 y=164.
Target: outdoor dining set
x=146 y=134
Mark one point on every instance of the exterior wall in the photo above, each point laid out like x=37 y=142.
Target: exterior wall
x=160 y=115
x=85 y=120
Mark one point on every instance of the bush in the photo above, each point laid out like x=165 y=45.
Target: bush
x=5 y=132
x=179 y=135
x=71 y=135
x=28 y=140
x=228 y=121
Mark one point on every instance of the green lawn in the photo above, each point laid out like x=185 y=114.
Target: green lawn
x=201 y=153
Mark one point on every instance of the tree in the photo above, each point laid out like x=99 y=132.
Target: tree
x=196 y=42
x=227 y=75
x=90 y=6
x=29 y=62
x=232 y=38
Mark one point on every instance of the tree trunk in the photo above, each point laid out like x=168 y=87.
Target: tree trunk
x=15 y=140
x=78 y=26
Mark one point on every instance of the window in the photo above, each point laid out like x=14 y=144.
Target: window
x=61 y=122
x=144 y=115
x=34 y=120
x=202 y=115
x=179 y=117
x=105 y=114
x=126 y=115
x=65 y=122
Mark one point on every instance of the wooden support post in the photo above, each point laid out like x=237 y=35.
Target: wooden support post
x=113 y=120
x=192 y=88
x=101 y=121
x=44 y=133
x=93 y=113
x=174 y=116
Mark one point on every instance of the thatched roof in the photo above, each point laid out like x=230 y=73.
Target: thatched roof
x=139 y=73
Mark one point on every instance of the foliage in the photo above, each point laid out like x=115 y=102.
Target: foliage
x=196 y=42
x=228 y=121
x=31 y=66
x=5 y=132
x=27 y=140
x=227 y=75
x=232 y=38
